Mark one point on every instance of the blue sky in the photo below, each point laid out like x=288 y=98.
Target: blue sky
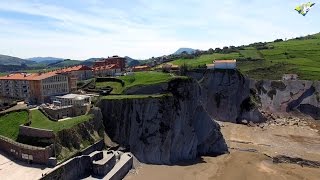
x=80 y=29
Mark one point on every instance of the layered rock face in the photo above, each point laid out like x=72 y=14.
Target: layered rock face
x=226 y=96
x=286 y=96
x=166 y=129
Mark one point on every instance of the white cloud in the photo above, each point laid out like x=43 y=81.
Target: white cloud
x=141 y=28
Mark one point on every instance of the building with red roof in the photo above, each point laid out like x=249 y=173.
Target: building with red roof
x=119 y=61
x=39 y=87
x=109 y=66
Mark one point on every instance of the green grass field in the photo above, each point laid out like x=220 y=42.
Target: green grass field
x=138 y=79
x=39 y=120
x=9 y=124
x=293 y=56
x=205 y=59
x=135 y=96
x=117 y=87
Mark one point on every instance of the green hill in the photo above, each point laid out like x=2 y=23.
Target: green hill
x=65 y=63
x=271 y=60
x=9 y=60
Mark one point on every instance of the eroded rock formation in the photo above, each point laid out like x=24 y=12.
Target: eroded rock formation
x=286 y=96
x=227 y=97
x=166 y=129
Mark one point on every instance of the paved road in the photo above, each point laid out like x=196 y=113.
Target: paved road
x=16 y=170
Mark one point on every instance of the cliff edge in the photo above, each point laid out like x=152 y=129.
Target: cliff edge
x=164 y=129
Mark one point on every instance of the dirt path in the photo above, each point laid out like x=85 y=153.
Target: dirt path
x=248 y=158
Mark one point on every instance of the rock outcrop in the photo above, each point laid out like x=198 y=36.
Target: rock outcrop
x=226 y=96
x=164 y=129
x=286 y=96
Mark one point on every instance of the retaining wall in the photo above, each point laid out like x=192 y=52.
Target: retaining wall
x=35 y=132
x=122 y=168
x=25 y=152
x=95 y=147
x=76 y=168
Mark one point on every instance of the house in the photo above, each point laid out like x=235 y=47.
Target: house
x=35 y=87
x=140 y=68
x=223 y=64
x=286 y=77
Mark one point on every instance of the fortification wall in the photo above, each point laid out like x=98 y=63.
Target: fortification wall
x=35 y=132
x=25 y=152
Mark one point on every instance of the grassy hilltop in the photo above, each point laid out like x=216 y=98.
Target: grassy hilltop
x=270 y=60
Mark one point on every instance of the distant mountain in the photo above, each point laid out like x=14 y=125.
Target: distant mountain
x=9 y=60
x=181 y=50
x=90 y=62
x=64 y=63
x=46 y=60
x=132 y=62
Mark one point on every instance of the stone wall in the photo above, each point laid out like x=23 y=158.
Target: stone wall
x=35 y=132
x=122 y=168
x=76 y=168
x=71 y=111
x=25 y=152
x=95 y=147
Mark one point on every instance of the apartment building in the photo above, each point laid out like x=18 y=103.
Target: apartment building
x=80 y=72
x=35 y=87
x=114 y=60
x=108 y=70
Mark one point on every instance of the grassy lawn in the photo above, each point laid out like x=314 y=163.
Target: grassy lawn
x=205 y=59
x=39 y=120
x=117 y=87
x=301 y=57
x=252 y=53
x=9 y=124
x=146 y=78
x=138 y=79
x=135 y=96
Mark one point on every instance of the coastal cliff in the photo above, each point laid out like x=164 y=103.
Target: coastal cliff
x=164 y=129
x=226 y=96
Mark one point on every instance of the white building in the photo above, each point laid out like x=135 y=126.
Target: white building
x=72 y=100
x=223 y=64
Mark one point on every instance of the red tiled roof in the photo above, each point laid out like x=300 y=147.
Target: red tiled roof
x=28 y=77
x=40 y=76
x=75 y=68
x=107 y=67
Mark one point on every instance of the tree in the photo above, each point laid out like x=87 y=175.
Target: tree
x=211 y=51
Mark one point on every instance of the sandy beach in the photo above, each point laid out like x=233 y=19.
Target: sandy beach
x=250 y=148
